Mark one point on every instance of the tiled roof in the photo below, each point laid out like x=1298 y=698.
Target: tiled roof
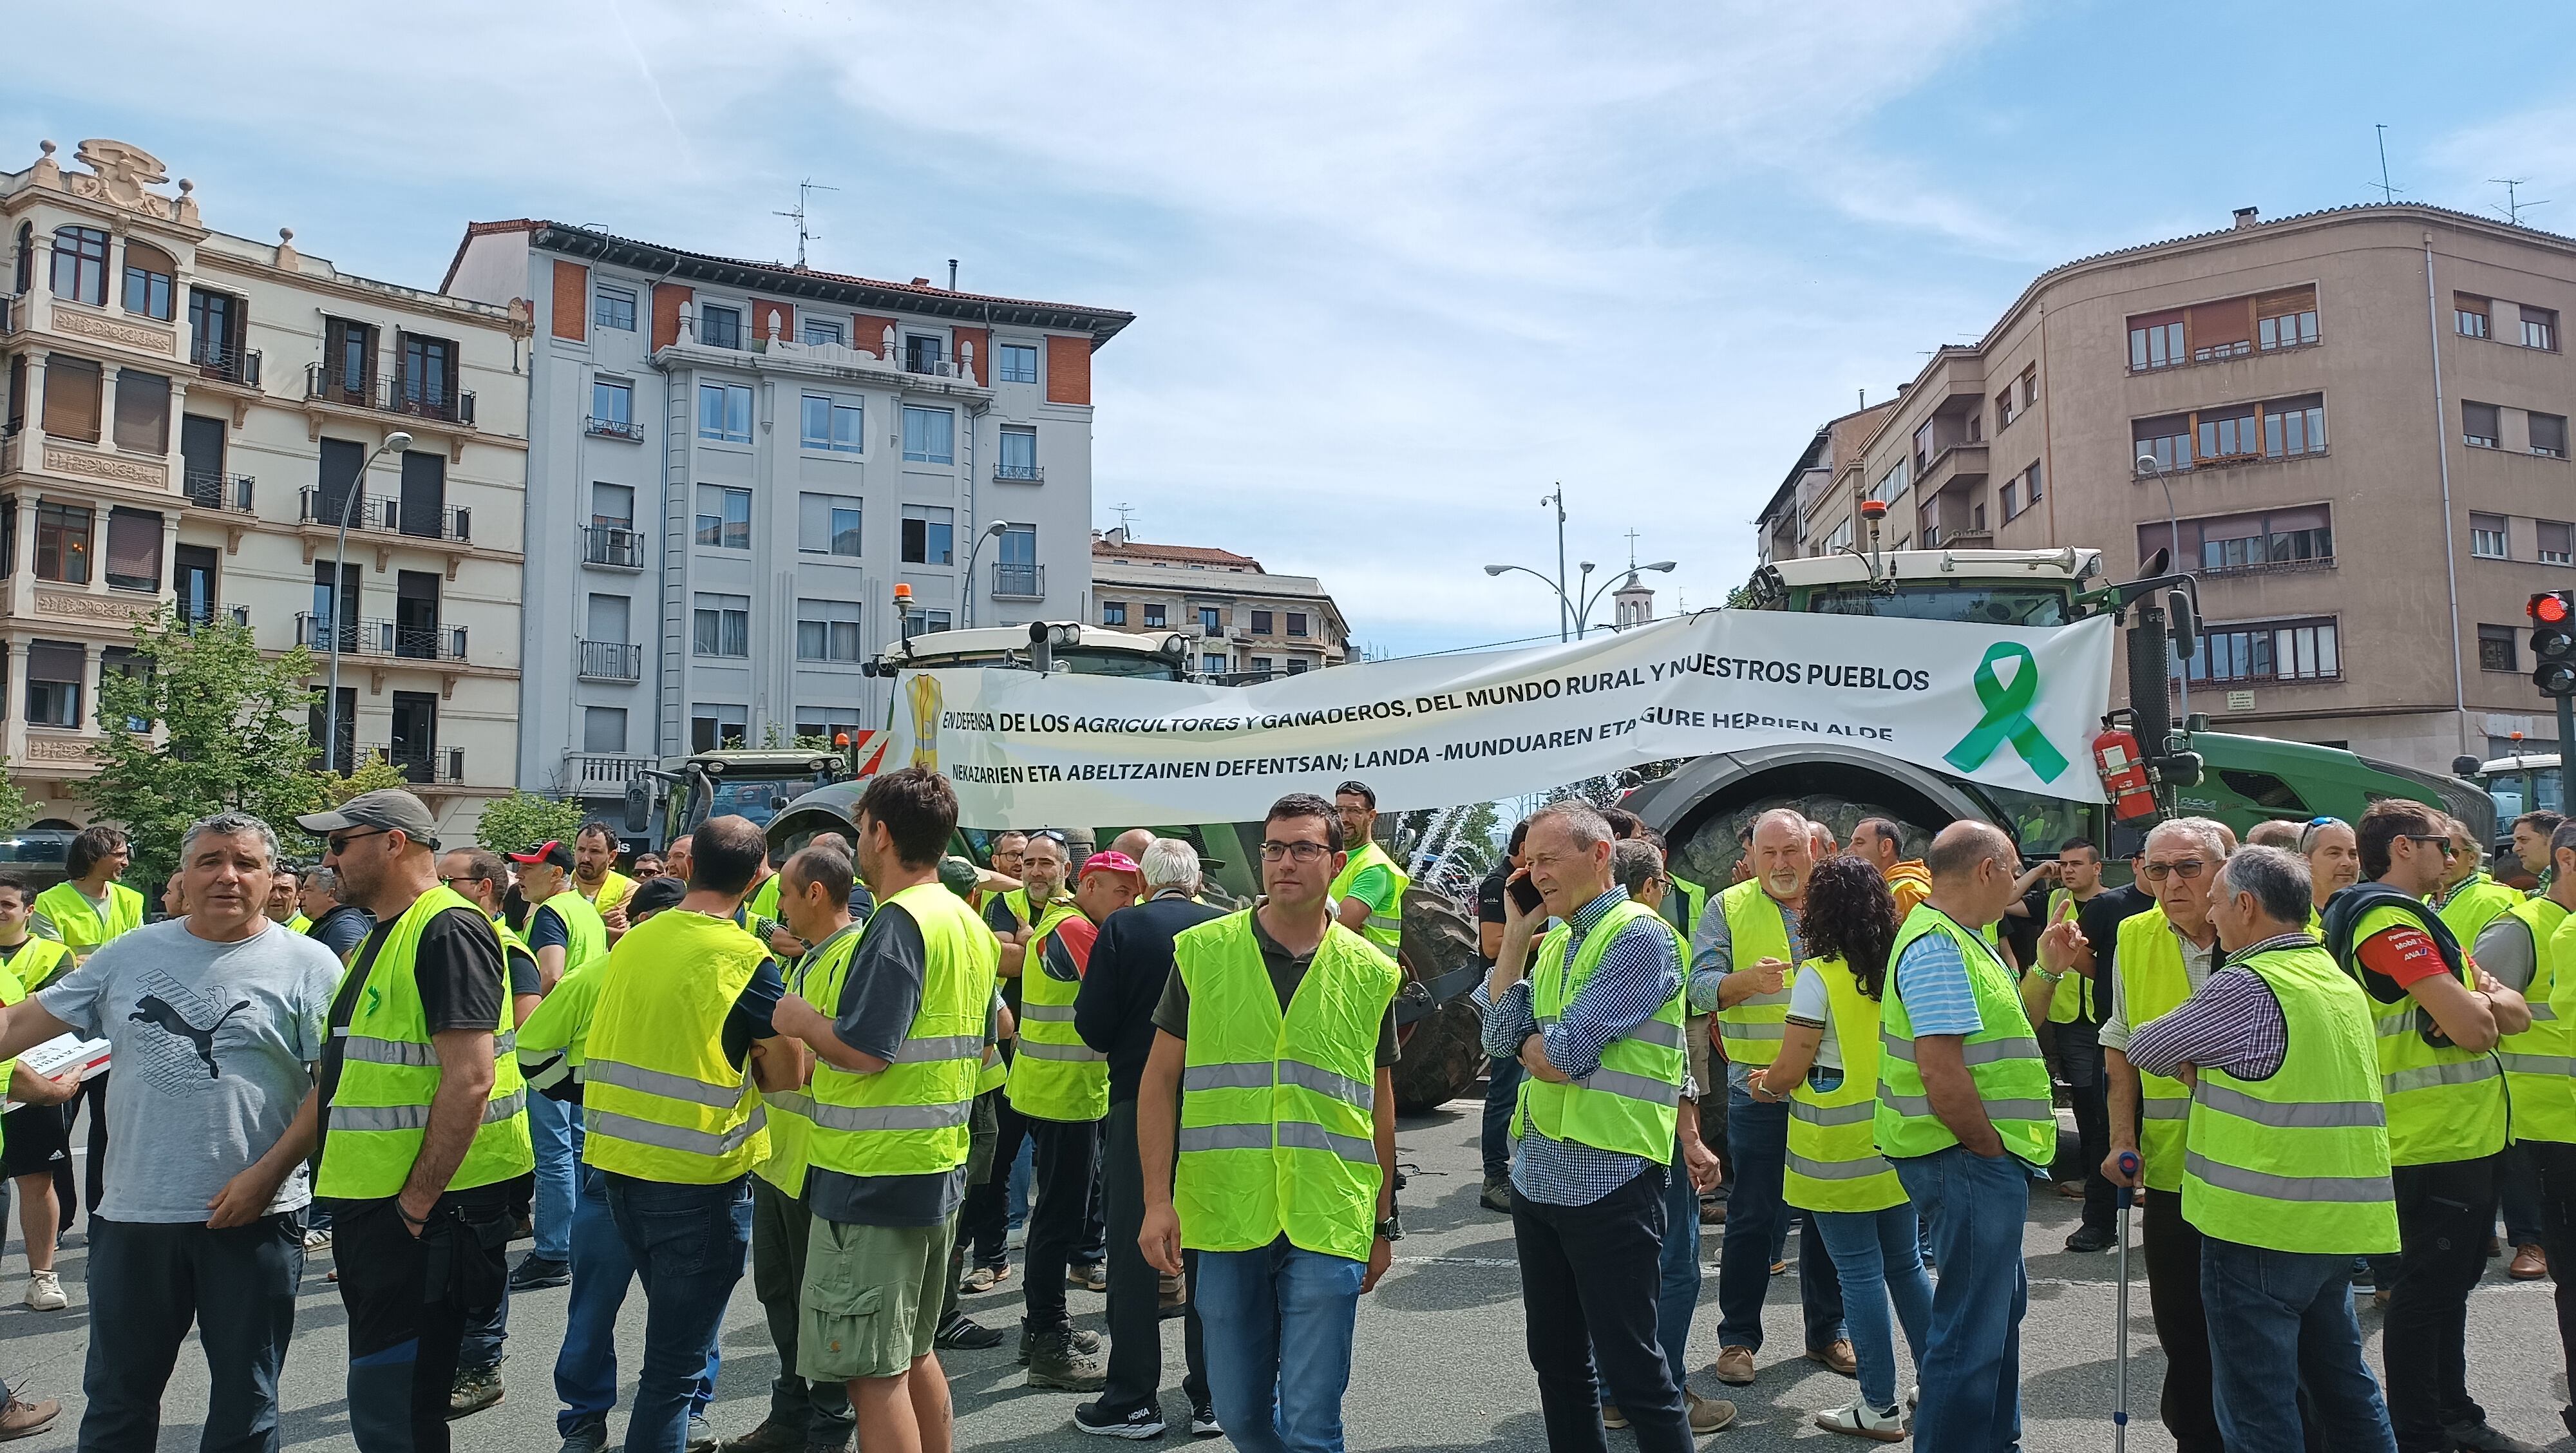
x=1178 y=554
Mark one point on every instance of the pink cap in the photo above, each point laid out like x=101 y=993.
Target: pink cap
x=1110 y=862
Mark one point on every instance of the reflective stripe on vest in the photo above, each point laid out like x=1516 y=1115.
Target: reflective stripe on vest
x=1834 y=1164
x=660 y=1100
x=1054 y=1075
x=2155 y=981
x=2473 y=905
x=80 y=925
x=2539 y=1061
x=2444 y=1103
x=912 y=1117
x=815 y=978
x=1630 y=1103
x=1757 y=929
x=2297 y=1161
x=2011 y=1079
x=389 y=1075
x=1385 y=927
x=1277 y=1132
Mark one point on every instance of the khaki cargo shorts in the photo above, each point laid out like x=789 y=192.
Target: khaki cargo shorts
x=871 y=1299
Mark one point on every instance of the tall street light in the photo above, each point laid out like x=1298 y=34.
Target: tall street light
x=1582 y=612
x=2147 y=465
x=396 y=442
x=972 y=550
x=1564 y=605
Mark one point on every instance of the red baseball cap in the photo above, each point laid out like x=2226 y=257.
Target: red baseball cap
x=1111 y=861
x=554 y=854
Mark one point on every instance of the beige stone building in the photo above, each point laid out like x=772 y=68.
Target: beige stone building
x=2360 y=415
x=189 y=413
x=1247 y=621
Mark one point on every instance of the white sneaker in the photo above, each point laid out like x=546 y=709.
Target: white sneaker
x=1861 y=1420
x=45 y=1292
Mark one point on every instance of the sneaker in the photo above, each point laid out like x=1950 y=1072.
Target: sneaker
x=535 y=1273
x=1085 y=1341
x=473 y=1392
x=772 y=1436
x=962 y=1333
x=1203 y=1423
x=1861 y=1420
x=1707 y=1415
x=2090 y=1238
x=702 y=1435
x=1057 y=1361
x=1090 y=1276
x=2483 y=1438
x=45 y=1291
x=1137 y=1424
x=586 y=1437
x=23 y=1419
x=317 y=1238
x=1735 y=1366
x=1612 y=1418
x=1780 y=1268
x=1497 y=1195
x=984 y=1278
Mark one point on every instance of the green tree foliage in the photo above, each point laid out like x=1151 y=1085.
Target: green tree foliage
x=235 y=731
x=522 y=820
x=16 y=811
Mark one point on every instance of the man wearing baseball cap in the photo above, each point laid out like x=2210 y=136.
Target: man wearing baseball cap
x=564 y=932
x=423 y=1120
x=1061 y=1086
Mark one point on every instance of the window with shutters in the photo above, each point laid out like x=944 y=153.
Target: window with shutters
x=2540 y=328
x=2286 y=319
x=149 y=284
x=1156 y=615
x=2297 y=537
x=724 y=517
x=715 y=727
x=142 y=411
x=929 y=435
x=1261 y=622
x=828 y=524
x=928 y=535
x=134 y=549
x=721 y=625
x=2557 y=542
x=2469 y=315
x=54 y=677
x=2549 y=435
x=71 y=397
x=1113 y=612
x=719 y=327
x=2489 y=538
x=2226 y=433
x=2496 y=649
x=80 y=265
x=2165 y=439
x=1296 y=623
x=2156 y=341
x=828 y=631
x=2294 y=426
x=62 y=543
x=2478 y=425
x=603 y=729
x=724 y=412
x=2292 y=650
x=17 y=418
x=2010 y=494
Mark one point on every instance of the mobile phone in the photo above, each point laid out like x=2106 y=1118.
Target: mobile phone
x=1524 y=894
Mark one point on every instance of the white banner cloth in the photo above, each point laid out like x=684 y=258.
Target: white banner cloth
x=2001 y=705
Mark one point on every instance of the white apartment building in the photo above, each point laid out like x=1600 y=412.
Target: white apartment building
x=189 y=415
x=734 y=464
x=1248 y=622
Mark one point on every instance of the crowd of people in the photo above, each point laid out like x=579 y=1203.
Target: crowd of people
x=2321 y=1061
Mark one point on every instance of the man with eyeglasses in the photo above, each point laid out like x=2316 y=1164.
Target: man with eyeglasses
x=2163 y=958
x=1015 y=916
x=565 y=933
x=2439 y=1018
x=2468 y=899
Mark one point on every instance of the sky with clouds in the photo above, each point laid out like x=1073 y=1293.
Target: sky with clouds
x=1398 y=270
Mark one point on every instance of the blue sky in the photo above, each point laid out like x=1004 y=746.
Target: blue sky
x=1397 y=269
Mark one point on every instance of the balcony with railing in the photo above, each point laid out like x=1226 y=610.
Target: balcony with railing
x=611 y=661
x=193 y=614
x=378 y=637
x=602 y=774
x=601 y=428
x=210 y=489
x=422 y=766
x=214 y=361
x=411 y=397
x=1019 y=582
x=1019 y=474
x=614 y=546
x=383 y=514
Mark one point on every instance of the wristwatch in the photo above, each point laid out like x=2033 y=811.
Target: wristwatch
x=1392 y=1228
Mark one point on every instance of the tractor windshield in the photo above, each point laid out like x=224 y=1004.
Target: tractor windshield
x=1989 y=605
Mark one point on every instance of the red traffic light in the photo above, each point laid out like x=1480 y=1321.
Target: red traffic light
x=2549 y=608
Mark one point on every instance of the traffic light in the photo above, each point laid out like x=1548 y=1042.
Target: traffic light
x=2553 y=641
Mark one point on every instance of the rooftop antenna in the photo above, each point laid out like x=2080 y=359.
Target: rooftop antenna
x=2387 y=190
x=2514 y=206
x=1122 y=511
x=802 y=235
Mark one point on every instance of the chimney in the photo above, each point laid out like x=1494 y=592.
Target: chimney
x=2245 y=217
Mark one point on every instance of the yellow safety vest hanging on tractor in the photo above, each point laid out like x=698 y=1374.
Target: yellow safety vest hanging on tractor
x=2153 y=982
x=1834 y=1164
x=1385 y=930
x=1631 y=1103
x=912 y=1118
x=1277 y=1135
x=389 y=1073
x=1054 y=1075
x=660 y=1099
x=1757 y=928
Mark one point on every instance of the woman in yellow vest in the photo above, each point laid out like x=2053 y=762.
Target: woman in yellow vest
x=1828 y=1072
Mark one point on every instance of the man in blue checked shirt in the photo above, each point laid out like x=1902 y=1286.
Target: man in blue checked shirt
x=1598 y=1026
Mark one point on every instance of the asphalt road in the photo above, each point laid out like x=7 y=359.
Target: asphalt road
x=1439 y=1362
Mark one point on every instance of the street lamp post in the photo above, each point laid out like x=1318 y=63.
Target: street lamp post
x=2148 y=464
x=972 y=550
x=1567 y=604
x=397 y=441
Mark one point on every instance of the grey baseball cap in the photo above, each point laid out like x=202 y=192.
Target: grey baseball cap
x=386 y=807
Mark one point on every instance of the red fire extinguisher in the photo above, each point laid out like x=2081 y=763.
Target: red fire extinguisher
x=2124 y=774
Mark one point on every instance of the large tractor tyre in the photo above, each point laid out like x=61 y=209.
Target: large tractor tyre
x=1444 y=1053
x=1441 y=1030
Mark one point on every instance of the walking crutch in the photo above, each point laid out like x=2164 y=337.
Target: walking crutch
x=2120 y=1368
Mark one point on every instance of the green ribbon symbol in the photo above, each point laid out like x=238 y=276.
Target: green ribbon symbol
x=2007 y=717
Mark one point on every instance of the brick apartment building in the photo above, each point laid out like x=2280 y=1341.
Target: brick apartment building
x=1249 y=623
x=2361 y=417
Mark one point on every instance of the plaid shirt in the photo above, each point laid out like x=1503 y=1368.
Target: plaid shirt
x=2233 y=1022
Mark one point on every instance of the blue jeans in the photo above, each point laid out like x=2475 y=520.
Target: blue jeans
x=1279 y=1324
x=1971 y=1363
x=1757 y=1137
x=689 y=1245
x=555 y=1126
x=586 y=1367
x=2281 y=1325
x=1503 y=1095
x=1879 y=1256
